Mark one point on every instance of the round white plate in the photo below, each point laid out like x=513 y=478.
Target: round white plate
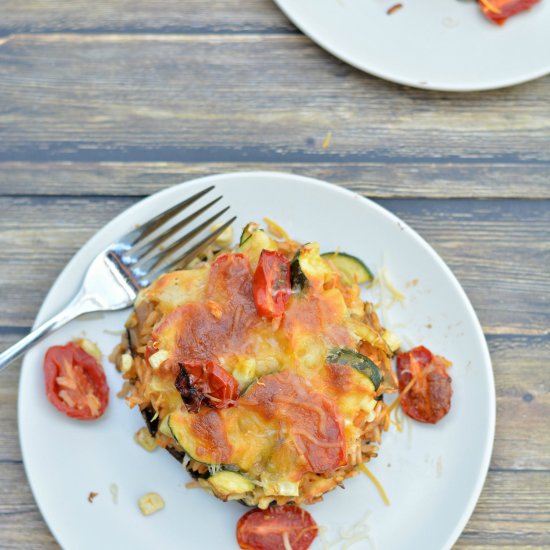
x=433 y=474
x=434 y=44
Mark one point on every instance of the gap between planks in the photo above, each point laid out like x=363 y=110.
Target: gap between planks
x=220 y=37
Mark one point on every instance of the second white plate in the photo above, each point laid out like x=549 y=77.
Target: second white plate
x=433 y=44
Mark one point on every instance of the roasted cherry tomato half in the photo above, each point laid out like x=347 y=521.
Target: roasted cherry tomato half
x=206 y=381
x=429 y=397
x=499 y=10
x=75 y=382
x=271 y=284
x=277 y=528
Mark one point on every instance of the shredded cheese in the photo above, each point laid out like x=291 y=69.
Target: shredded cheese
x=377 y=484
x=286 y=541
x=405 y=390
x=349 y=536
x=490 y=6
x=398 y=419
x=327 y=140
x=276 y=230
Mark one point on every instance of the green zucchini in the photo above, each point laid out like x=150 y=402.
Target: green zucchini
x=306 y=266
x=226 y=483
x=358 y=361
x=248 y=229
x=350 y=267
x=178 y=431
x=253 y=241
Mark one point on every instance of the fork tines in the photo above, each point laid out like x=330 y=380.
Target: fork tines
x=143 y=250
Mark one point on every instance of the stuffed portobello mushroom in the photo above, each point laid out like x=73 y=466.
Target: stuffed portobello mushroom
x=261 y=369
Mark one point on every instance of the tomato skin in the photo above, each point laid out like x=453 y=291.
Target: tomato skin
x=206 y=381
x=429 y=398
x=89 y=376
x=263 y=529
x=507 y=9
x=271 y=284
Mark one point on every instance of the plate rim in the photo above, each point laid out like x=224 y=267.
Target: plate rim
x=211 y=179
x=357 y=64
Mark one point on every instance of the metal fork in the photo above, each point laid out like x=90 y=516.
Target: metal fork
x=115 y=276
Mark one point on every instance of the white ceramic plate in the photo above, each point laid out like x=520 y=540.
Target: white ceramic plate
x=432 y=474
x=432 y=44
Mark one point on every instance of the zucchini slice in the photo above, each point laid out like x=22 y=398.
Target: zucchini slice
x=308 y=268
x=178 y=429
x=358 y=361
x=226 y=484
x=350 y=267
x=248 y=229
x=253 y=241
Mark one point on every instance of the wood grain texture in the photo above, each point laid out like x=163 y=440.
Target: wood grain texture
x=159 y=16
x=232 y=98
x=496 y=249
x=372 y=179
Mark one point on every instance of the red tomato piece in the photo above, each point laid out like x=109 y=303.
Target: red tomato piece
x=267 y=529
x=206 y=381
x=75 y=382
x=271 y=284
x=429 y=398
x=499 y=10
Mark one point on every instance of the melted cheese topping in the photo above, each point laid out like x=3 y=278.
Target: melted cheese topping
x=296 y=414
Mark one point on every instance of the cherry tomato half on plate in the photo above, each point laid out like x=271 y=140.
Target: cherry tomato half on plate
x=271 y=284
x=206 y=381
x=75 y=382
x=429 y=398
x=268 y=529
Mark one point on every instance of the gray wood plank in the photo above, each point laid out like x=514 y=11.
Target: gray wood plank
x=141 y=16
x=513 y=511
x=498 y=249
x=232 y=98
x=376 y=180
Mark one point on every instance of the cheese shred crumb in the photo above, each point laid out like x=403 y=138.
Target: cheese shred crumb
x=114 y=492
x=276 y=230
x=327 y=140
x=377 y=484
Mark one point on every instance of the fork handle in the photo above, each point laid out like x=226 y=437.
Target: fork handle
x=78 y=306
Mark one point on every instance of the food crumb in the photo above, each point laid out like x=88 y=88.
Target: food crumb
x=411 y=283
x=192 y=485
x=114 y=492
x=439 y=467
x=327 y=140
x=394 y=8
x=91 y=496
x=150 y=503
x=145 y=440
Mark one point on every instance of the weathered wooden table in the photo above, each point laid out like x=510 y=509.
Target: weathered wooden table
x=104 y=102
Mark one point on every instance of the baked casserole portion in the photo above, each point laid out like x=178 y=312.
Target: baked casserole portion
x=261 y=369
